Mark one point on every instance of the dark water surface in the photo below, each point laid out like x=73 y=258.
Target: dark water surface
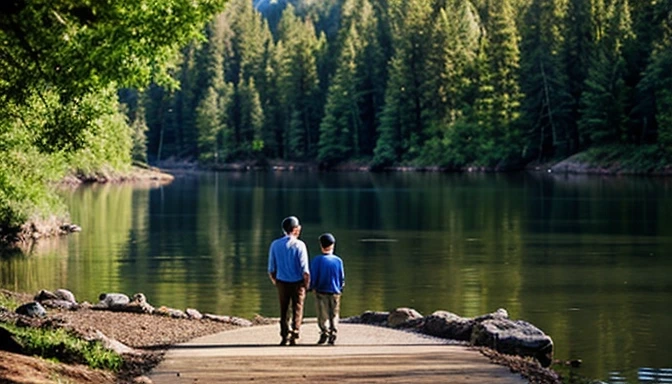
x=586 y=259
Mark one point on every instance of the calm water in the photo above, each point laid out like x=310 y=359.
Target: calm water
x=586 y=259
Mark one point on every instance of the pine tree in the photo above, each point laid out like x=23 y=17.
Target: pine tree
x=603 y=117
x=498 y=103
x=547 y=100
x=251 y=119
x=340 y=128
x=657 y=80
x=576 y=52
x=299 y=83
x=403 y=126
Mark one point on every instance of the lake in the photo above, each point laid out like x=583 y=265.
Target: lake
x=584 y=258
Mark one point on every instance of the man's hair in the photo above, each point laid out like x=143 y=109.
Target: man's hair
x=289 y=223
x=327 y=240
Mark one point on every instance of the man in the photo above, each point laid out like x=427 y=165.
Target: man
x=327 y=279
x=289 y=271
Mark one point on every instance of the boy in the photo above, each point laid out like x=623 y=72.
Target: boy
x=327 y=280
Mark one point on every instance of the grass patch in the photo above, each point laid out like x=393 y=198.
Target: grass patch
x=8 y=302
x=62 y=346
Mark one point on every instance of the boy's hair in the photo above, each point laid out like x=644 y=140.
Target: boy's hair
x=326 y=240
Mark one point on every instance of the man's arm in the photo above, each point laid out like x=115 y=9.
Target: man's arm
x=306 y=280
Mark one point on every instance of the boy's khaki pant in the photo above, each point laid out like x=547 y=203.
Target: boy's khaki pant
x=328 y=309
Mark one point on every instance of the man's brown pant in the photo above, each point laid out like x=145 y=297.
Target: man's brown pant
x=294 y=294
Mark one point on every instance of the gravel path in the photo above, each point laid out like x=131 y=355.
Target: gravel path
x=362 y=354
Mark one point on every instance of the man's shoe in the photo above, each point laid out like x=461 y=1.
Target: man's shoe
x=332 y=339
x=323 y=339
x=283 y=341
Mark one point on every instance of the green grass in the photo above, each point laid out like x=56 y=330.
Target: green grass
x=60 y=345
x=8 y=303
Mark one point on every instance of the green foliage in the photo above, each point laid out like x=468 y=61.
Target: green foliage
x=603 y=103
x=450 y=82
x=61 y=345
x=24 y=170
x=628 y=158
x=547 y=99
x=8 y=302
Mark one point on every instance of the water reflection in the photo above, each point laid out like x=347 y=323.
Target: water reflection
x=583 y=258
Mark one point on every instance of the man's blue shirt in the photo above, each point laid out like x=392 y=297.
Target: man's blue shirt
x=288 y=258
x=327 y=274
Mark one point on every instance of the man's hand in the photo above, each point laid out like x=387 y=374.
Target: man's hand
x=272 y=277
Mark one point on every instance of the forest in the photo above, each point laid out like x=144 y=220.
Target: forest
x=448 y=83
x=88 y=87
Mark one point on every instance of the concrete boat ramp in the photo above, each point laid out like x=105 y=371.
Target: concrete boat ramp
x=362 y=354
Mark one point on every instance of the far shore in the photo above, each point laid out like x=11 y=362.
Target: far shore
x=572 y=165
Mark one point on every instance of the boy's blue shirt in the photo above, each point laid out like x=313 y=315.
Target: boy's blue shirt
x=327 y=274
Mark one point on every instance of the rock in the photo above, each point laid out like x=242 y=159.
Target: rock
x=501 y=313
x=194 y=314
x=45 y=295
x=60 y=304
x=142 y=380
x=170 y=312
x=229 y=320
x=368 y=317
x=70 y=228
x=112 y=301
x=112 y=344
x=32 y=309
x=138 y=304
x=402 y=316
x=514 y=338
x=448 y=326
x=64 y=294
x=9 y=342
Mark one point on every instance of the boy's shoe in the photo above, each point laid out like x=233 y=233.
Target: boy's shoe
x=323 y=338
x=293 y=338
x=332 y=339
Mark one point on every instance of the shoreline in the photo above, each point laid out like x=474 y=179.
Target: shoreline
x=144 y=338
x=573 y=165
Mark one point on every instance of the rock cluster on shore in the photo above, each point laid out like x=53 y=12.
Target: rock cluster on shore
x=494 y=330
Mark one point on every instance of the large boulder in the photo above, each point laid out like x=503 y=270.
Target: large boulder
x=448 y=326
x=401 y=317
x=515 y=338
x=61 y=299
x=65 y=295
x=451 y=326
x=375 y=318
x=32 y=309
x=60 y=304
x=45 y=295
x=112 y=301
